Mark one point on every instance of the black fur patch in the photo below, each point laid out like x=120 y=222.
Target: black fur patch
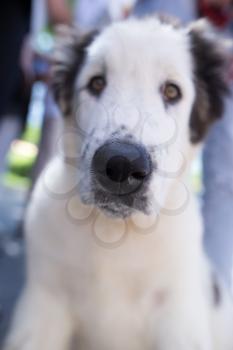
x=210 y=65
x=67 y=61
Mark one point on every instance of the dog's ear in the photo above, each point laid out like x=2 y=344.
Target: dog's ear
x=211 y=63
x=67 y=60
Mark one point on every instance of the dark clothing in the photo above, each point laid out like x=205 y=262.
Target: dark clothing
x=14 y=25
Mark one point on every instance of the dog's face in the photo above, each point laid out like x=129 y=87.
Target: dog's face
x=142 y=93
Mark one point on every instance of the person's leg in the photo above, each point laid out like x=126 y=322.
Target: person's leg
x=218 y=194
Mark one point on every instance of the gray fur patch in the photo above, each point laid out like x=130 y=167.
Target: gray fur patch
x=216 y=290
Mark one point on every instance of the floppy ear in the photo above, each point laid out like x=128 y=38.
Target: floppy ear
x=210 y=61
x=68 y=58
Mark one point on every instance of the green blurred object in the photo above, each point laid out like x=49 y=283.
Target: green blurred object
x=23 y=152
x=21 y=158
x=32 y=134
x=15 y=181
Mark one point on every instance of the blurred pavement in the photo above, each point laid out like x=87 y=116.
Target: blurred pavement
x=12 y=205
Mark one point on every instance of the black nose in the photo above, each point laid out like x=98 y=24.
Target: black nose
x=120 y=167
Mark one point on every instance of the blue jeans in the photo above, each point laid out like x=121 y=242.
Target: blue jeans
x=218 y=194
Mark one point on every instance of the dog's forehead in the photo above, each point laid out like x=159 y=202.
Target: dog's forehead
x=143 y=41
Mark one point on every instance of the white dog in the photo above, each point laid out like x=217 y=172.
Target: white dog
x=114 y=237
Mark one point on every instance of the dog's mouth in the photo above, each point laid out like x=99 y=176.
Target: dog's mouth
x=121 y=206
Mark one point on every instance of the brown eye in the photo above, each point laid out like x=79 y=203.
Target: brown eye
x=96 y=85
x=171 y=93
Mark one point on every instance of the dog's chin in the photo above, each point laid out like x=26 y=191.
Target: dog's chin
x=110 y=207
x=123 y=206
x=116 y=206
x=116 y=211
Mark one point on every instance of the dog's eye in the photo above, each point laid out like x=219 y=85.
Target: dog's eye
x=96 y=85
x=171 y=92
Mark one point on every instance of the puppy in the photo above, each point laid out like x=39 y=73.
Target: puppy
x=114 y=235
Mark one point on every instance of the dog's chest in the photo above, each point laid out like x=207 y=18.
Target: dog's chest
x=110 y=320
x=115 y=302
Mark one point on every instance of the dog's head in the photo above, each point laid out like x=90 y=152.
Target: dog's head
x=141 y=94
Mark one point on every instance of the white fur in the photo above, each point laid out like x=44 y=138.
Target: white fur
x=153 y=289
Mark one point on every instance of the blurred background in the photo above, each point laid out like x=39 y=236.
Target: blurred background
x=29 y=122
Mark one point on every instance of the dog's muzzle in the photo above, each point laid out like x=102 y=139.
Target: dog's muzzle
x=121 y=168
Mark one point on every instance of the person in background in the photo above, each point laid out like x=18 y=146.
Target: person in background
x=59 y=11
x=45 y=13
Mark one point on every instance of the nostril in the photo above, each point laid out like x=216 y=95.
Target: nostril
x=118 y=169
x=139 y=175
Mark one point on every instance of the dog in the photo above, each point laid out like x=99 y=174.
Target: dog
x=114 y=235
